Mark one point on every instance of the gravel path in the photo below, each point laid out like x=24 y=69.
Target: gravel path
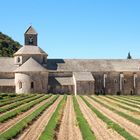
x=68 y=128
x=6 y=125
x=129 y=126
x=35 y=130
x=98 y=127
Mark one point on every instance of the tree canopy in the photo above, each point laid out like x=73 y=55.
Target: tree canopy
x=8 y=46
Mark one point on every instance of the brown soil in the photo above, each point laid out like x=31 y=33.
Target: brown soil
x=134 y=114
x=18 y=107
x=131 y=99
x=69 y=129
x=127 y=102
x=6 y=125
x=2 y=113
x=14 y=102
x=35 y=130
x=129 y=126
x=100 y=129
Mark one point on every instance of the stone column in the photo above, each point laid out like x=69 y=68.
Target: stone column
x=104 y=79
x=75 y=85
x=134 y=82
x=121 y=80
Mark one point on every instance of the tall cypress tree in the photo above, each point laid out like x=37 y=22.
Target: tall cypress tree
x=129 y=56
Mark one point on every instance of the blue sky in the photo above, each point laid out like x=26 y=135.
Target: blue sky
x=76 y=28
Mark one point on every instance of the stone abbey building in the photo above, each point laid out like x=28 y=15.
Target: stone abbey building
x=29 y=71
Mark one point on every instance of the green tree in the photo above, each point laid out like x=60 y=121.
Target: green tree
x=129 y=56
x=8 y=46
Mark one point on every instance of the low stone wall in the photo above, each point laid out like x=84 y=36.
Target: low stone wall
x=7 y=89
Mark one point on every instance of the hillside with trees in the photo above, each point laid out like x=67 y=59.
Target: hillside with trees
x=7 y=46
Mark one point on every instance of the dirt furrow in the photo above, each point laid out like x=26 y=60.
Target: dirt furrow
x=6 y=125
x=68 y=128
x=18 y=107
x=34 y=131
x=10 y=104
x=129 y=99
x=119 y=99
x=115 y=106
x=129 y=126
x=109 y=99
x=98 y=127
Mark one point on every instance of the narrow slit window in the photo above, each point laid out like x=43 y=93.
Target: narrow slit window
x=20 y=85
x=124 y=81
x=18 y=59
x=32 y=84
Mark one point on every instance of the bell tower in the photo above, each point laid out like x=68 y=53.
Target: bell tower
x=30 y=36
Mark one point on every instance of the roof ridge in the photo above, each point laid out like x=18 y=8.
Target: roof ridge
x=30 y=65
x=30 y=49
x=30 y=30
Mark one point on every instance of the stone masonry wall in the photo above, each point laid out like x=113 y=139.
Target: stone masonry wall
x=85 y=87
x=7 y=89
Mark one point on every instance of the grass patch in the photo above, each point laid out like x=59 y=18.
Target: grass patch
x=86 y=131
x=49 y=132
x=18 y=128
x=110 y=123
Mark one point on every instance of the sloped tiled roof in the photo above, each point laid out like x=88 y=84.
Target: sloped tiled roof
x=7 y=64
x=65 y=80
x=30 y=49
x=79 y=65
x=93 y=65
x=31 y=30
x=30 y=66
x=61 y=81
x=83 y=76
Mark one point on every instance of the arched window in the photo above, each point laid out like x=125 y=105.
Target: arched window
x=42 y=82
x=131 y=92
x=30 y=40
x=20 y=85
x=124 y=81
x=18 y=59
x=44 y=59
x=32 y=85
